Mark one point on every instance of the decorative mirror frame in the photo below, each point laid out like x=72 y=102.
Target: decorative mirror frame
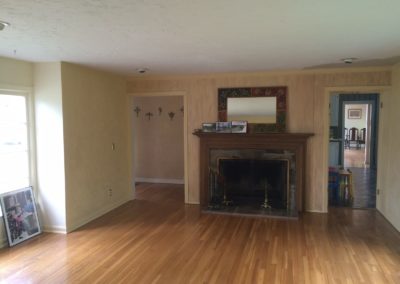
x=278 y=92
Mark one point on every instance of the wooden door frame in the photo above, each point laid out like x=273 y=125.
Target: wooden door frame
x=383 y=91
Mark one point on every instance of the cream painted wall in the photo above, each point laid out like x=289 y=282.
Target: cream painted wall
x=95 y=117
x=50 y=146
x=158 y=142
x=357 y=123
x=389 y=154
x=307 y=112
x=14 y=75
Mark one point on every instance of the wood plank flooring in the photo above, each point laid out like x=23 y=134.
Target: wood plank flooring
x=158 y=239
x=355 y=158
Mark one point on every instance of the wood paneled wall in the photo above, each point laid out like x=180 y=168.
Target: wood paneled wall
x=307 y=112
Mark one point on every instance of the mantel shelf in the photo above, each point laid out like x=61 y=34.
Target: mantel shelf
x=274 y=135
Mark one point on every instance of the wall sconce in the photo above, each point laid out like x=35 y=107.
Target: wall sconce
x=159 y=110
x=171 y=115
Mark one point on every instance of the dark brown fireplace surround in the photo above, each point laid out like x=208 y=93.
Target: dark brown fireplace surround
x=293 y=142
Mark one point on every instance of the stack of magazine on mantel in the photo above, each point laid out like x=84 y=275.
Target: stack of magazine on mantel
x=225 y=127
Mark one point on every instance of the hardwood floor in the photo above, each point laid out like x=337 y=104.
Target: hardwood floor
x=355 y=158
x=158 y=239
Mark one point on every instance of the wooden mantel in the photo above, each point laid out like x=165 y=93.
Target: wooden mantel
x=295 y=142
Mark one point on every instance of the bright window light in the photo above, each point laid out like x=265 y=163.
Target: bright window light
x=14 y=150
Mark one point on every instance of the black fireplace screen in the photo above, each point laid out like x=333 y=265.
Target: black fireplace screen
x=250 y=180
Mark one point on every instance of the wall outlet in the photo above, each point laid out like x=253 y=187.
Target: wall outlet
x=110 y=192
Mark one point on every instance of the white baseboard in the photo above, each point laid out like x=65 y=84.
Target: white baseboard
x=160 y=180
x=96 y=214
x=54 y=229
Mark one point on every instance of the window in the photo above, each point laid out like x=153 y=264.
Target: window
x=15 y=154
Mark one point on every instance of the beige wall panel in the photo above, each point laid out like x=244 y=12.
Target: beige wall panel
x=94 y=108
x=50 y=166
x=389 y=160
x=307 y=112
x=15 y=73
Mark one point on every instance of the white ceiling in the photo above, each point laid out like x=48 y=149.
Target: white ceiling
x=201 y=36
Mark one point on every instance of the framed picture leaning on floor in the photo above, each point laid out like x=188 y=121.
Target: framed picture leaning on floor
x=20 y=215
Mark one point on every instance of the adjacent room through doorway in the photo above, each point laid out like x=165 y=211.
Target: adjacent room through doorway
x=357 y=130
x=353 y=150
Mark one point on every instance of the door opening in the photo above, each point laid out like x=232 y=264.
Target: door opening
x=353 y=150
x=158 y=139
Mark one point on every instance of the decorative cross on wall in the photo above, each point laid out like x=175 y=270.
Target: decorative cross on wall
x=137 y=110
x=149 y=115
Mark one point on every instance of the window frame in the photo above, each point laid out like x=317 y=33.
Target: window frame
x=31 y=143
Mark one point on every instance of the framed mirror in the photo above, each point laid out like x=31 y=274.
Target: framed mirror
x=264 y=108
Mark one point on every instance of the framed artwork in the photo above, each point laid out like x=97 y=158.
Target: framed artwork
x=20 y=215
x=354 y=113
x=277 y=104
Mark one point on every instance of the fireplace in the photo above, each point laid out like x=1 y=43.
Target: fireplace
x=262 y=183
x=257 y=174
x=252 y=181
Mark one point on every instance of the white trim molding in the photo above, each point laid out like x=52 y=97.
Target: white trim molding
x=54 y=229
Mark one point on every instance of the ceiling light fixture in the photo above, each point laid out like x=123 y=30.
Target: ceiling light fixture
x=349 y=60
x=3 y=25
x=142 y=70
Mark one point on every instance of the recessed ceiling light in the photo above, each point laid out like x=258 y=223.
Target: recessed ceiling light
x=3 y=25
x=142 y=70
x=349 y=60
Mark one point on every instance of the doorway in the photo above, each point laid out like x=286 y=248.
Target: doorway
x=158 y=125
x=353 y=150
